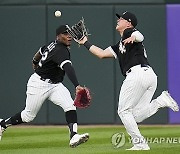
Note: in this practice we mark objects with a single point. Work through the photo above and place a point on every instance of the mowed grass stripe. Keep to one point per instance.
(47, 140)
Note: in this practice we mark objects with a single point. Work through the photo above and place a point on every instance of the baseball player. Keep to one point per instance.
(135, 98)
(51, 63)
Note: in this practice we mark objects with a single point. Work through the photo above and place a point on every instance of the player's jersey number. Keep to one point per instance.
(47, 50)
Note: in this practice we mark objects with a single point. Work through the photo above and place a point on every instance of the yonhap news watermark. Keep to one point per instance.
(119, 139)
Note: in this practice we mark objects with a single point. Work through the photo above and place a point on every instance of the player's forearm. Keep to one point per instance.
(95, 50)
(37, 57)
(36, 60)
(71, 74)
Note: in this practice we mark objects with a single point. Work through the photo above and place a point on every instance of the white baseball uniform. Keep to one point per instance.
(51, 63)
(139, 86)
(38, 91)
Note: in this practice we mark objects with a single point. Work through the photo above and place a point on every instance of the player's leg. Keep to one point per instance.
(35, 98)
(37, 92)
(62, 97)
(145, 107)
(128, 120)
(131, 92)
(33, 104)
(75, 138)
(14, 120)
(165, 100)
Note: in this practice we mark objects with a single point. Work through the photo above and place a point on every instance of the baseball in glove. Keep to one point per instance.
(83, 98)
(78, 31)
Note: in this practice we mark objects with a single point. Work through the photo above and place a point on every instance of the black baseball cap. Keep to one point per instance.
(129, 17)
(61, 29)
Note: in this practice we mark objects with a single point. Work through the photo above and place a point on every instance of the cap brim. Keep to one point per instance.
(64, 32)
(117, 15)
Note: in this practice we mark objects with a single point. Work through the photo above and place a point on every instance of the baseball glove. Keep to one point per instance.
(83, 98)
(78, 31)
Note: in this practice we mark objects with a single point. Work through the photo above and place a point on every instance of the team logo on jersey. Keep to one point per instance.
(122, 48)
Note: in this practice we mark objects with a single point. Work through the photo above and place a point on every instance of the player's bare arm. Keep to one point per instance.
(100, 53)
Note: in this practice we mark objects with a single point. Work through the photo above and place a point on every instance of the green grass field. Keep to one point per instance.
(55, 139)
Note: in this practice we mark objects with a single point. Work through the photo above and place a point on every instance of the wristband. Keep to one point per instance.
(87, 44)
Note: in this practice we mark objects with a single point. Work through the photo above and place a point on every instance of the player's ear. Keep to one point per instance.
(58, 37)
(129, 25)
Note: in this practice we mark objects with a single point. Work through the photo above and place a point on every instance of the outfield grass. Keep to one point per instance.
(55, 139)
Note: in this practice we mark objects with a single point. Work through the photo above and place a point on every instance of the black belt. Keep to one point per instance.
(49, 81)
(142, 65)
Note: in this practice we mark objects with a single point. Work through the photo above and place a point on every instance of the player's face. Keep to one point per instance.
(122, 24)
(65, 38)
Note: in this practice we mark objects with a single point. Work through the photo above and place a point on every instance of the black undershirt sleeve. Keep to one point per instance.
(71, 73)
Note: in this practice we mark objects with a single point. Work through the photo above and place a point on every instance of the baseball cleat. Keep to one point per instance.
(143, 147)
(78, 139)
(169, 101)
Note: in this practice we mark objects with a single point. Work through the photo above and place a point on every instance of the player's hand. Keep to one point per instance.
(78, 88)
(83, 97)
(129, 40)
(81, 42)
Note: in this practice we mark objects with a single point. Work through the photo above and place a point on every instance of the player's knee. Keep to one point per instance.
(69, 108)
(124, 113)
(121, 113)
(137, 117)
(26, 116)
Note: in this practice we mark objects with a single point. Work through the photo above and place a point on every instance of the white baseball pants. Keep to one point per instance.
(135, 96)
(38, 91)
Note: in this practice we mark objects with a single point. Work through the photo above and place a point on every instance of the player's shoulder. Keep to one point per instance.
(61, 49)
(60, 45)
(129, 31)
